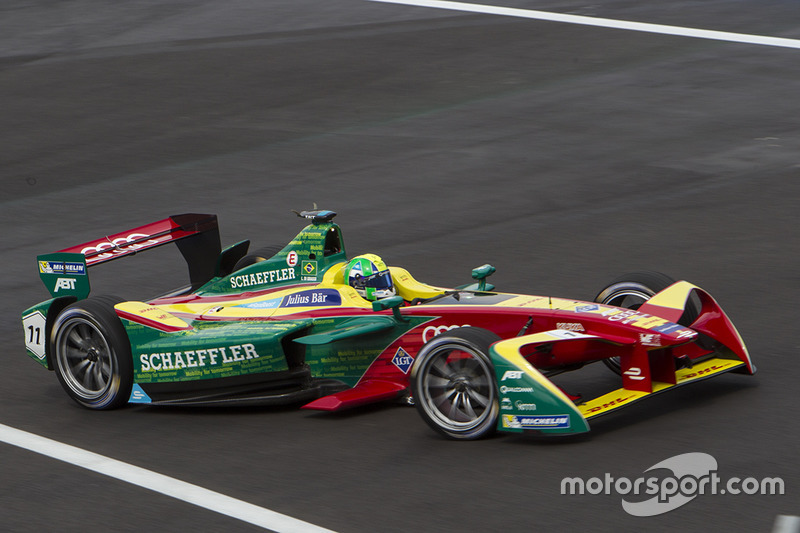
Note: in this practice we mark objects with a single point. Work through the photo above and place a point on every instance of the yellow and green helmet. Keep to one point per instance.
(370, 277)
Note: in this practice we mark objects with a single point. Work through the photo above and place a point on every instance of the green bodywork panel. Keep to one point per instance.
(209, 350)
(64, 274)
(355, 327)
(304, 260)
(223, 349)
(349, 358)
(530, 402)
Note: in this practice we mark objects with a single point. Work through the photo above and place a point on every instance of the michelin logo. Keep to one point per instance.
(535, 422)
(60, 267)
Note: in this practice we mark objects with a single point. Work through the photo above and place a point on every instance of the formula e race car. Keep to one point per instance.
(297, 324)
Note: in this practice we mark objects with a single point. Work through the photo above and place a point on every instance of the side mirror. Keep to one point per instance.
(481, 273)
(393, 303)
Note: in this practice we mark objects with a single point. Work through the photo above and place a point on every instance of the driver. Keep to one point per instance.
(370, 277)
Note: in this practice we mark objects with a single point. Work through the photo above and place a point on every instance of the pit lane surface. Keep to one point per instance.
(562, 154)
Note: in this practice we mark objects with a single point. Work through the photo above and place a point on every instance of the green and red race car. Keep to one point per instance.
(303, 324)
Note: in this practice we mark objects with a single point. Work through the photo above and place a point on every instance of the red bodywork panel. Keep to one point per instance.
(144, 237)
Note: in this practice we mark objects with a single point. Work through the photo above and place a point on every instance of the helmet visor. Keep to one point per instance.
(382, 281)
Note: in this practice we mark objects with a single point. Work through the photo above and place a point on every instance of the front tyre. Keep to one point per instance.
(453, 384)
(92, 354)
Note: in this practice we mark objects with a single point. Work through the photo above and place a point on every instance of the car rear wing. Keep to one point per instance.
(64, 273)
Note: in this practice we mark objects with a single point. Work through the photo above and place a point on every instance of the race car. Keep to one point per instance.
(303, 324)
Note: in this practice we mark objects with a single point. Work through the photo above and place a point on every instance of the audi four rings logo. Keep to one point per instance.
(113, 247)
(432, 331)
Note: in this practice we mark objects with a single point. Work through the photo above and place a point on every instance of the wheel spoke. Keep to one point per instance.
(77, 369)
(435, 382)
(451, 395)
(441, 367)
(84, 331)
(105, 369)
(479, 398)
(98, 375)
(76, 338)
(453, 412)
(87, 377)
(74, 353)
(468, 410)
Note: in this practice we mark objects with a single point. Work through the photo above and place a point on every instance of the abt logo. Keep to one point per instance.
(512, 374)
(65, 283)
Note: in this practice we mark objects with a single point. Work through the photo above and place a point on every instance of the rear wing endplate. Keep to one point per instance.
(64, 273)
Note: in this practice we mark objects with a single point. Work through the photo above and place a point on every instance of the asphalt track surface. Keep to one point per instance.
(562, 154)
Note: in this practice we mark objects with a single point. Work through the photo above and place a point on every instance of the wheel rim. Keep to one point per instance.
(84, 358)
(627, 298)
(456, 387)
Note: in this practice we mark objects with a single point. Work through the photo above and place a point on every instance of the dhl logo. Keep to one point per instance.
(704, 371)
(613, 403)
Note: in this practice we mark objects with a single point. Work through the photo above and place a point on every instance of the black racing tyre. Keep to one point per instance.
(632, 290)
(262, 254)
(91, 353)
(453, 384)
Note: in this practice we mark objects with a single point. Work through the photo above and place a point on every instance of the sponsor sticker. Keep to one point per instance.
(313, 298)
(402, 360)
(432, 331)
(535, 422)
(61, 267)
(650, 339)
(635, 373)
(138, 395)
(512, 374)
(613, 403)
(120, 245)
(198, 358)
(667, 328)
(505, 390)
(262, 278)
(565, 334)
(266, 304)
(65, 283)
(570, 326)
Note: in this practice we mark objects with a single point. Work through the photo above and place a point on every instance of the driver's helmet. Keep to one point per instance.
(368, 275)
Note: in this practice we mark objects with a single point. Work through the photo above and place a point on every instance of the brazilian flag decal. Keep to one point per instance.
(309, 268)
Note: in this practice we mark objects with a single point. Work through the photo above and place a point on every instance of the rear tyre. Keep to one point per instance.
(631, 291)
(262, 254)
(92, 354)
(453, 384)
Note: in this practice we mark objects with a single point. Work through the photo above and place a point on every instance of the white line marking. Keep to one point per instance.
(154, 481)
(603, 23)
(786, 524)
